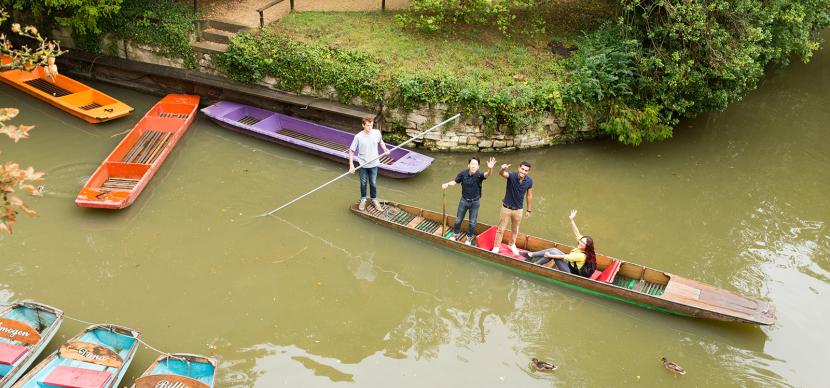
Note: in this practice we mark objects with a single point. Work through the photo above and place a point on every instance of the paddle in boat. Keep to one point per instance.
(313, 138)
(614, 278)
(25, 330)
(97, 357)
(119, 180)
(66, 94)
(179, 370)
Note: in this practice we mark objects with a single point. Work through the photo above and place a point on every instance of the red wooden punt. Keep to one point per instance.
(120, 179)
(614, 278)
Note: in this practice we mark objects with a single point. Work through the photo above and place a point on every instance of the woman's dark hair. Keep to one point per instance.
(590, 256)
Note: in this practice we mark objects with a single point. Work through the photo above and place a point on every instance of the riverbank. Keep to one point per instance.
(609, 77)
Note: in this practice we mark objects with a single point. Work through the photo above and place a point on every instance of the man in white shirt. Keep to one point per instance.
(366, 144)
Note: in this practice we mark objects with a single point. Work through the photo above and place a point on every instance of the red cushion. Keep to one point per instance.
(71, 377)
(595, 275)
(610, 271)
(485, 239)
(10, 353)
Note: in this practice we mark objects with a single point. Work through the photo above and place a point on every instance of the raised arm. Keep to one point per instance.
(490, 164)
(503, 171)
(573, 224)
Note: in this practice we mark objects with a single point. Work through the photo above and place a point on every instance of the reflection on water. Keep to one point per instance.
(314, 296)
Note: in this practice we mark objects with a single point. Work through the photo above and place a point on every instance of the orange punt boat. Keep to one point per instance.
(120, 179)
(67, 94)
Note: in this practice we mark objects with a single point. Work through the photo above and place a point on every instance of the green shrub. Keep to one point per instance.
(665, 60)
(165, 25)
(80, 15)
(294, 65)
(444, 15)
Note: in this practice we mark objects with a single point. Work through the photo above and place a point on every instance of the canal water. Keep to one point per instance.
(316, 296)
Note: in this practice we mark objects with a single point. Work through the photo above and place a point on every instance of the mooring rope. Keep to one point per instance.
(151, 347)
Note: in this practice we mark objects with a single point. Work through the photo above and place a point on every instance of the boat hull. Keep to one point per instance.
(103, 351)
(308, 137)
(677, 296)
(179, 370)
(47, 313)
(66, 94)
(124, 174)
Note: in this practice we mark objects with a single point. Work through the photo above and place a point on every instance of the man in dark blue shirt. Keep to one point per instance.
(519, 186)
(470, 179)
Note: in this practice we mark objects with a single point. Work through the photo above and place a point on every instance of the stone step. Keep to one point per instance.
(226, 25)
(217, 36)
(206, 47)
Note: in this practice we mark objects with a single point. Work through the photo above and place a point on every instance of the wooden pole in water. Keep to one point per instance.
(457, 115)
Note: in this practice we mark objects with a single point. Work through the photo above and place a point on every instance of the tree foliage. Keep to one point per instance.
(686, 58)
(164, 25)
(80, 15)
(12, 176)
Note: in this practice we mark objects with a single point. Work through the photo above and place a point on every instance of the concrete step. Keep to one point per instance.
(217, 36)
(206, 47)
(226, 25)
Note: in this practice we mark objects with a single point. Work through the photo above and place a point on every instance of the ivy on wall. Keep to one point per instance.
(164, 25)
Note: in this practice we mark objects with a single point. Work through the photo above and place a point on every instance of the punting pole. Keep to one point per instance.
(457, 115)
(444, 213)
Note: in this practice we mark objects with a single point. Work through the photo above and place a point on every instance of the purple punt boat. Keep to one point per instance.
(314, 138)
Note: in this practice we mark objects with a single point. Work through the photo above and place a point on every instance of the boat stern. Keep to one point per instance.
(407, 164)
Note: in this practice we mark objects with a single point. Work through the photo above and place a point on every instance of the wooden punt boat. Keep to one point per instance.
(180, 370)
(309, 137)
(97, 357)
(66, 94)
(614, 278)
(25, 330)
(119, 180)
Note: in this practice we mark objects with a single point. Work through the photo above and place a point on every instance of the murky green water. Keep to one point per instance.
(317, 296)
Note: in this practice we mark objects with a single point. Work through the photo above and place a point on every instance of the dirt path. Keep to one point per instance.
(244, 12)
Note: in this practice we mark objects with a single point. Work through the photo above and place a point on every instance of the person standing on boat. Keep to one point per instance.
(366, 143)
(470, 179)
(519, 187)
(582, 260)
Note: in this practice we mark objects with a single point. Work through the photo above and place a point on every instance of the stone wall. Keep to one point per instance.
(468, 134)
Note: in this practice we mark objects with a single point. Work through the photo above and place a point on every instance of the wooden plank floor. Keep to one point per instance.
(48, 87)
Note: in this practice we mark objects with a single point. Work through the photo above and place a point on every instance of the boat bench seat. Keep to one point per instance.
(608, 274)
(10, 353)
(71, 377)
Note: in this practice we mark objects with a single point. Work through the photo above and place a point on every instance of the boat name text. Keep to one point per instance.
(12, 332)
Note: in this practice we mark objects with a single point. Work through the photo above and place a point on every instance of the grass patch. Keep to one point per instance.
(466, 51)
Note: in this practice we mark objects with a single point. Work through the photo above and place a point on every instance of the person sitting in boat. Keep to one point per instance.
(582, 260)
(470, 179)
(51, 69)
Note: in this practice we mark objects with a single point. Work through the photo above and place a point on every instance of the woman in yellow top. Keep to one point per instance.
(580, 261)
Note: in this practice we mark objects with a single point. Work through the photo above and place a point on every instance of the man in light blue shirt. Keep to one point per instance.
(365, 144)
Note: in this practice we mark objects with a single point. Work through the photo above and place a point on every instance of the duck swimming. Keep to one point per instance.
(542, 366)
(674, 368)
